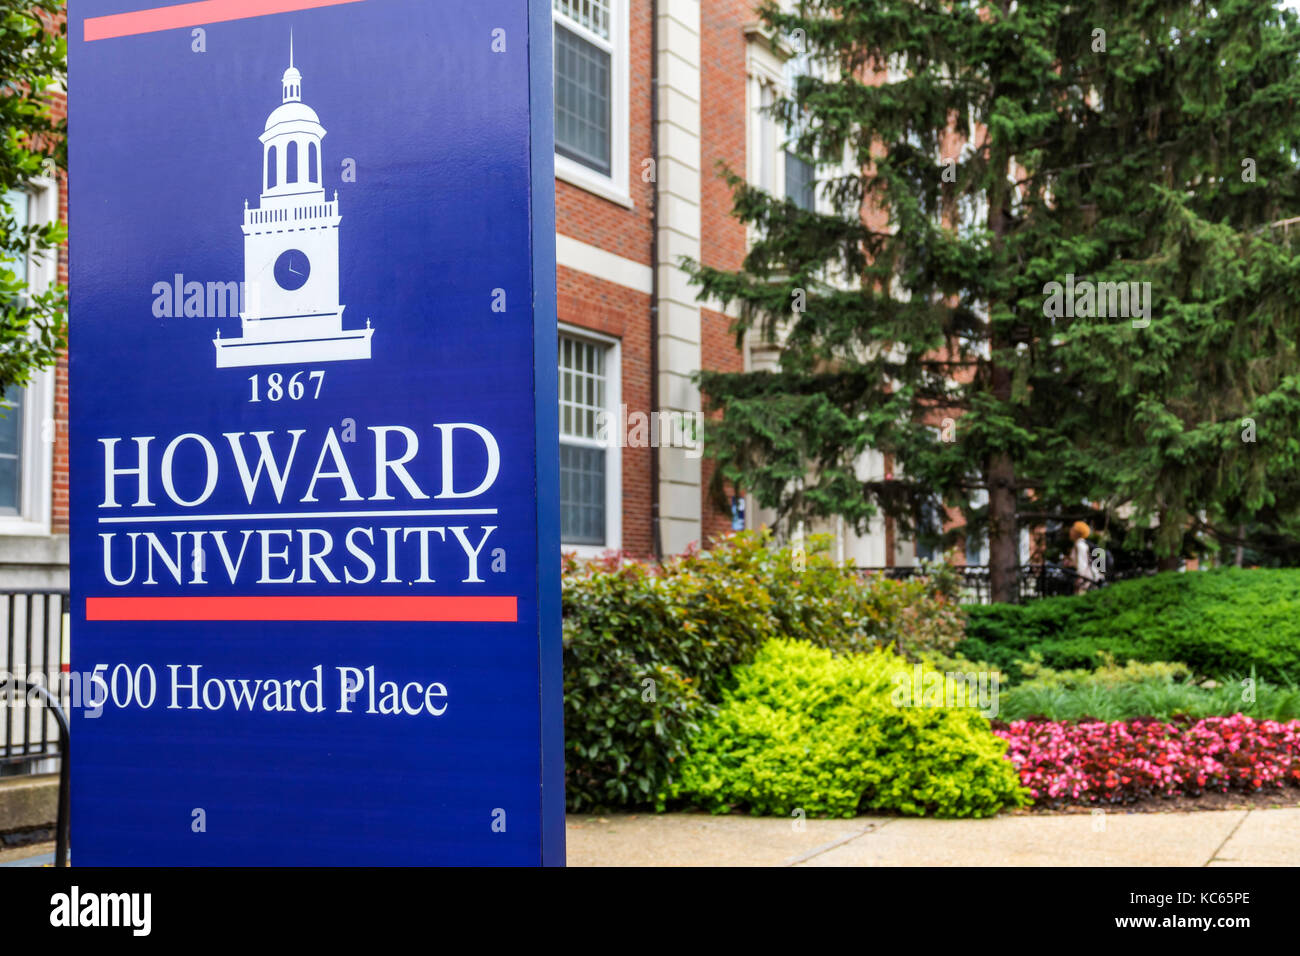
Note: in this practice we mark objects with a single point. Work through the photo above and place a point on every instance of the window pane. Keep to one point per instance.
(582, 388)
(17, 201)
(11, 436)
(582, 101)
(799, 185)
(592, 14)
(582, 495)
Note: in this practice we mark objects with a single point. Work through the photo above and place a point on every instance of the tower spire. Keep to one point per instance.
(292, 78)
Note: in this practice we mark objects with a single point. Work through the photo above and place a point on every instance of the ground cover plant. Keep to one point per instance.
(1121, 762)
(1162, 690)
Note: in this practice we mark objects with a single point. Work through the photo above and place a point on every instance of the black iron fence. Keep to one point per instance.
(1033, 581)
(33, 651)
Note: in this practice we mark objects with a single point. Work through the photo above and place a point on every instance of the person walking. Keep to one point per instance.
(1085, 576)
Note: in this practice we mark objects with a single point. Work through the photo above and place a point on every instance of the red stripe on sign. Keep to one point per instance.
(193, 14)
(333, 608)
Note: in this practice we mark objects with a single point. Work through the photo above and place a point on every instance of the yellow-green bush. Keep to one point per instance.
(806, 730)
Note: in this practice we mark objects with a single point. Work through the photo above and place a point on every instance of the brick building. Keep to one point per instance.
(638, 188)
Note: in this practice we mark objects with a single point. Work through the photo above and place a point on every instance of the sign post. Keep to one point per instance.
(314, 465)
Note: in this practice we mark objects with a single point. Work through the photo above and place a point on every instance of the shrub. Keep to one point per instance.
(644, 650)
(804, 729)
(1218, 623)
(648, 649)
(1159, 690)
(1116, 763)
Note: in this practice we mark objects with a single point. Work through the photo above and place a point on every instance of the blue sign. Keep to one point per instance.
(315, 535)
(737, 513)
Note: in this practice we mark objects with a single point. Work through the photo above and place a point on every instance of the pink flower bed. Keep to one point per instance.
(1064, 762)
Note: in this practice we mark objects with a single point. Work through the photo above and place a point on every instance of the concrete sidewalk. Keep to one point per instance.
(37, 854)
(1265, 837)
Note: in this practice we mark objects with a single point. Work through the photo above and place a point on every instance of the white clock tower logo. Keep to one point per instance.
(291, 313)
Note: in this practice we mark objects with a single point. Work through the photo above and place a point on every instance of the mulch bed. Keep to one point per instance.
(1272, 797)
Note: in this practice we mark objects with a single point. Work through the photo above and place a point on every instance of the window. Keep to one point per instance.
(590, 475)
(800, 175)
(800, 182)
(929, 528)
(312, 174)
(11, 448)
(11, 404)
(581, 101)
(976, 542)
(26, 448)
(291, 162)
(270, 168)
(591, 117)
(767, 137)
(775, 166)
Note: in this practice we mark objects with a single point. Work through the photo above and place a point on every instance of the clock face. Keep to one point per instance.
(292, 269)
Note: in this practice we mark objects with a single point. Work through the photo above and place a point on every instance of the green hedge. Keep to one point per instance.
(1220, 623)
(648, 650)
(804, 730)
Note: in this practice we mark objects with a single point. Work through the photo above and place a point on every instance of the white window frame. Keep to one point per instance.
(770, 69)
(36, 457)
(613, 452)
(766, 153)
(613, 187)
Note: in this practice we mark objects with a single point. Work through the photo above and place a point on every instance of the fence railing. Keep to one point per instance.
(33, 650)
(1033, 581)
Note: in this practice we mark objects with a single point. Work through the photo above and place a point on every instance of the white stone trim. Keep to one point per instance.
(679, 234)
(601, 264)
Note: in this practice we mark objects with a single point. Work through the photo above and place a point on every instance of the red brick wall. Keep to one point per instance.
(624, 313)
(722, 121)
(723, 128)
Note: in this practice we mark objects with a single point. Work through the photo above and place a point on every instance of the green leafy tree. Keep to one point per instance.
(33, 58)
(973, 156)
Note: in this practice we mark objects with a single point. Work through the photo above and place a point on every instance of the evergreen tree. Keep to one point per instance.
(1001, 174)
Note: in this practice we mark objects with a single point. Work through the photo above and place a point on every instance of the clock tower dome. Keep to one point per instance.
(291, 313)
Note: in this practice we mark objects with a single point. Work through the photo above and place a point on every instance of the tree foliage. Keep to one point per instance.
(969, 156)
(33, 57)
